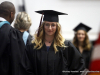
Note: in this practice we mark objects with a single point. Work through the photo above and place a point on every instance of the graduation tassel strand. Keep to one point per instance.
(40, 25)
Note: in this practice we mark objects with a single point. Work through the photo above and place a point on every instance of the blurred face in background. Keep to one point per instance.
(50, 28)
(81, 35)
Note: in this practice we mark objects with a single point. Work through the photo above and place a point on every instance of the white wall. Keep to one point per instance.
(86, 11)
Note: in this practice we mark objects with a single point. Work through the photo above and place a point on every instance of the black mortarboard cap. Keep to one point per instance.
(50, 15)
(82, 26)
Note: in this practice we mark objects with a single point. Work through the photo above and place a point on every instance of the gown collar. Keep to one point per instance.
(50, 48)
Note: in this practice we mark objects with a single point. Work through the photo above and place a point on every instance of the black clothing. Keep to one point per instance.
(43, 62)
(86, 54)
(11, 51)
(29, 38)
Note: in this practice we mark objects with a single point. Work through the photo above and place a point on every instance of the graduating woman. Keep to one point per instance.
(82, 43)
(50, 54)
(23, 23)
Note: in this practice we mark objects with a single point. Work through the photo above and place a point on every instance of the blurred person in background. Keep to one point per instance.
(23, 23)
(82, 43)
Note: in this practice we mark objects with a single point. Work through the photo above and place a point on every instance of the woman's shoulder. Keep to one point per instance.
(30, 46)
(68, 43)
(70, 47)
(30, 49)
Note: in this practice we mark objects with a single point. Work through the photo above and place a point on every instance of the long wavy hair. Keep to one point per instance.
(86, 42)
(39, 40)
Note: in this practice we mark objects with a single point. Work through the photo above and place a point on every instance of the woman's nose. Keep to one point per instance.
(50, 27)
(81, 35)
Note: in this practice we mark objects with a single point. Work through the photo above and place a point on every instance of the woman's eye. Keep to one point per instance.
(47, 24)
(78, 33)
(53, 25)
(83, 34)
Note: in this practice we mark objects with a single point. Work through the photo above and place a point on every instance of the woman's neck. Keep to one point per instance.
(80, 46)
(22, 30)
(48, 38)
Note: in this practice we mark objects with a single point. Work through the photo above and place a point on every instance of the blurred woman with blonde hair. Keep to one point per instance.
(23, 23)
(50, 53)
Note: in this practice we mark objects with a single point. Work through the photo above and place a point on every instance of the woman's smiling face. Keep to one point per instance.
(81, 35)
(50, 28)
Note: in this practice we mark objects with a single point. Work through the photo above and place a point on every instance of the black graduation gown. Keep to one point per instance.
(29, 39)
(43, 62)
(11, 51)
(86, 54)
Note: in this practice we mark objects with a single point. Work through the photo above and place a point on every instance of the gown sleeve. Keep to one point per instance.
(17, 50)
(4, 38)
(29, 59)
(74, 58)
(11, 51)
(89, 57)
